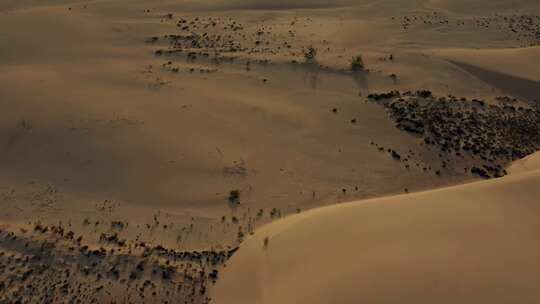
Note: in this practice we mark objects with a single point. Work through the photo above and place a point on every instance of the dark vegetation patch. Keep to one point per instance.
(50, 265)
(522, 28)
(490, 136)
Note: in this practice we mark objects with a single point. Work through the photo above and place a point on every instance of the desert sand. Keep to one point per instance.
(148, 148)
(475, 243)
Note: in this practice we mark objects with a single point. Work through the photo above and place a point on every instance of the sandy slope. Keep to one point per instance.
(97, 129)
(527, 164)
(481, 6)
(96, 116)
(519, 62)
(475, 243)
(514, 70)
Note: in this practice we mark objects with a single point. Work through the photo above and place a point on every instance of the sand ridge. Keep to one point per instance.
(171, 131)
(462, 243)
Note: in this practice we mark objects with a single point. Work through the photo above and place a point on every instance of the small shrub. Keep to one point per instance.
(357, 63)
(240, 234)
(424, 94)
(234, 196)
(310, 53)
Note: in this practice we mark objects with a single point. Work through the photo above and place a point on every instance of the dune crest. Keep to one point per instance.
(461, 244)
(143, 141)
(528, 164)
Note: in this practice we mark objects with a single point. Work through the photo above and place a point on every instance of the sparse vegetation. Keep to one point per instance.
(310, 53)
(240, 234)
(275, 213)
(234, 196)
(357, 63)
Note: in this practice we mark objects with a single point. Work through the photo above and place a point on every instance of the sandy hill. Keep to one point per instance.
(131, 126)
(475, 243)
(519, 62)
(529, 163)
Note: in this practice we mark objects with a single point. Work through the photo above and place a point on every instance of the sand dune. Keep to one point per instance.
(519, 62)
(481, 6)
(475, 243)
(145, 131)
(511, 85)
(513, 71)
(527, 164)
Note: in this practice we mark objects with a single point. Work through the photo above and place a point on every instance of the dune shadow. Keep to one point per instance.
(513, 85)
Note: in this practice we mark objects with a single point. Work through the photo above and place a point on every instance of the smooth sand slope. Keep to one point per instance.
(476, 243)
(513, 70)
(529, 163)
(141, 130)
(519, 62)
